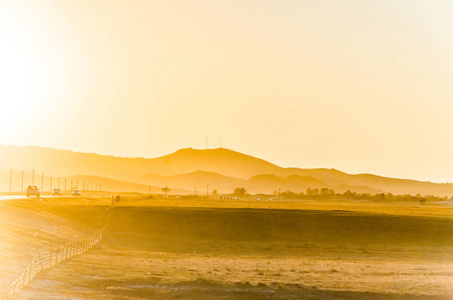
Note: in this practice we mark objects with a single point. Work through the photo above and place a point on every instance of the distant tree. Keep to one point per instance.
(315, 191)
(288, 194)
(165, 190)
(325, 191)
(240, 191)
(380, 196)
(348, 194)
(214, 192)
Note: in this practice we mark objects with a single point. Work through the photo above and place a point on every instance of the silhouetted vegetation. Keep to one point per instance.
(240, 192)
(165, 190)
(326, 193)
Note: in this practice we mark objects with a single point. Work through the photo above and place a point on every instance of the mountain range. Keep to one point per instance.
(188, 169)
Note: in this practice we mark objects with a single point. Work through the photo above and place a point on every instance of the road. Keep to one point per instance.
(17, 197)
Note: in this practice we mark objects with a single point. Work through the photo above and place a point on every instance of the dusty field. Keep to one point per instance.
(243, 251)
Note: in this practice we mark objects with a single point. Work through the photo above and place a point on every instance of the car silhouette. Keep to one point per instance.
(76, 192)
(32, 190)
(56, 192)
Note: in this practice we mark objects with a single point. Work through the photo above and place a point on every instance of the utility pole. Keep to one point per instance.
(51, 183)
(207, 190)
(58, 181)
(150, 190)
(279, 197)
(22, 186)
(195, 190)
(42, 181)
(65, 184)
(71, 184)
(33, 177)
(10, 178)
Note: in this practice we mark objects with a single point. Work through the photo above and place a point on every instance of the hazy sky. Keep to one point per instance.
(361, 86)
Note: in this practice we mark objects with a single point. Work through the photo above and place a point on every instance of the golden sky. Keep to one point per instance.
(361, 86)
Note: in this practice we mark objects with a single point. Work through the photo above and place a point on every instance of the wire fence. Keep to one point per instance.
(54, 257)
(43, 262)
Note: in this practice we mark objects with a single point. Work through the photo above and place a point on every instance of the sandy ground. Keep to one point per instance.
(237, 250)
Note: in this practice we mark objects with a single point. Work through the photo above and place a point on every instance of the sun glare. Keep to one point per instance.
(22, 73)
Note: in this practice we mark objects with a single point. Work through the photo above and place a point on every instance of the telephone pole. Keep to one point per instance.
(42, 181)
(10, 178)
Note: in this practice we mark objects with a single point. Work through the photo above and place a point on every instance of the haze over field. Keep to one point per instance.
(362, 87)
(221, 169)
(240, 149)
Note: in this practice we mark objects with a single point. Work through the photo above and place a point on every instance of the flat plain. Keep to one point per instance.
(234, 249)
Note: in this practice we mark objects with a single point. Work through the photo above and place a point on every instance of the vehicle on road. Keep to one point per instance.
(56, 192)
(32, 190)
(76, 192)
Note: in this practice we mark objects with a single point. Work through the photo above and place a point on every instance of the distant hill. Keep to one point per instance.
(220, 160)
(111, 185)
(198, 180)
(225, 184)
(220, 167)
(65, 162)
(270, 183)
(78, 181)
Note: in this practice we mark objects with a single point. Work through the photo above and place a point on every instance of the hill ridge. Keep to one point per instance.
(225, 162)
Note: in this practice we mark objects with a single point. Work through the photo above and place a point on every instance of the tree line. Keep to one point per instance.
(326, 193)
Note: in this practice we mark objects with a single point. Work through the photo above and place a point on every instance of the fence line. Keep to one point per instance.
(43, 262)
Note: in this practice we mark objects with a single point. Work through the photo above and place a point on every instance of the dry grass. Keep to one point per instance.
(234, 249)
